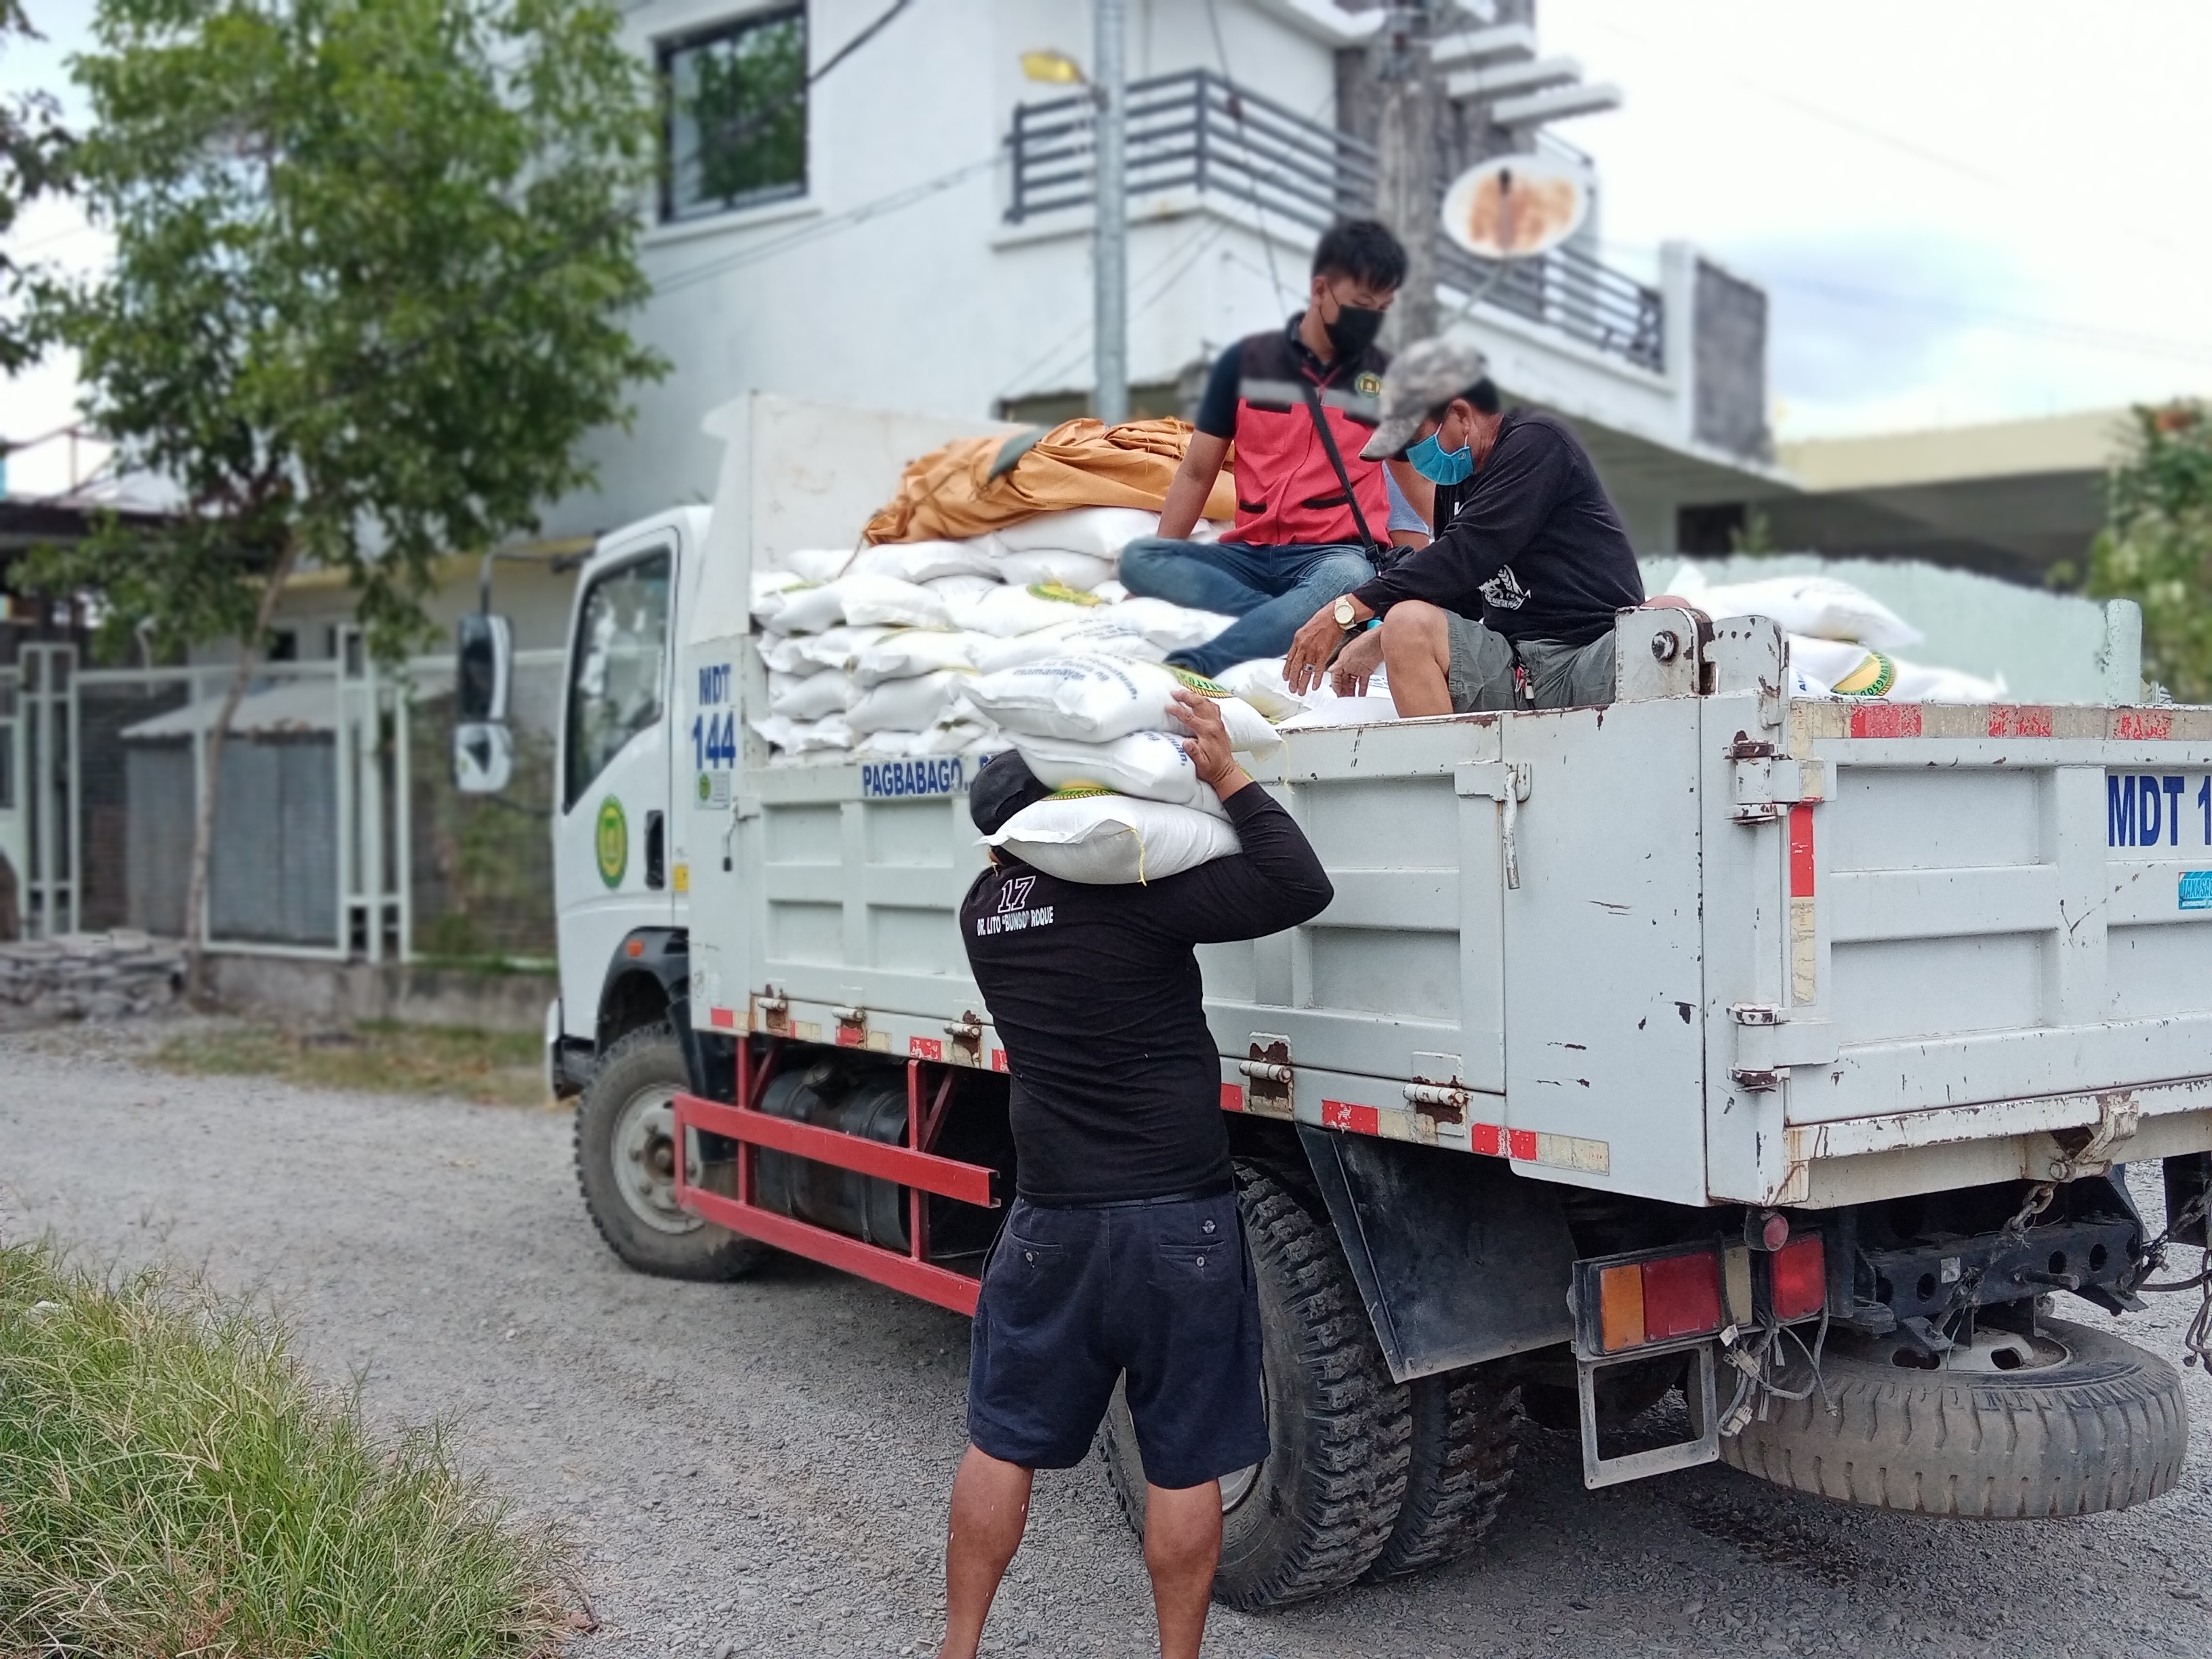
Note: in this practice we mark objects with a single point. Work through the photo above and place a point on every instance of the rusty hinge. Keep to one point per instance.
(1269, 1077)
(967, 1034)
(1765, 784)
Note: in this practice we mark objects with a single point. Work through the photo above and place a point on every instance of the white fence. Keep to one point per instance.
(332, 772)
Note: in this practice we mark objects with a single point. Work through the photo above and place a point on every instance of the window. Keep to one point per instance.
(737, 115)
(619, 665)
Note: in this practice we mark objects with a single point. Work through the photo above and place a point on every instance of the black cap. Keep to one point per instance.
(1002, 788)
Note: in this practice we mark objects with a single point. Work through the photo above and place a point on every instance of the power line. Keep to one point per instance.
(1926, 153)
(906, 195)
(2056, 328)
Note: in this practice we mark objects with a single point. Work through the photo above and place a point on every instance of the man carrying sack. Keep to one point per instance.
(1123, 1255)
(1298, 403)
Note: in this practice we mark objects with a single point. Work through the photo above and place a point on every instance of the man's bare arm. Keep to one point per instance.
(1193, 483)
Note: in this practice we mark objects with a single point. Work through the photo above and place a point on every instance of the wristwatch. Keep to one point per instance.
(1347, 617)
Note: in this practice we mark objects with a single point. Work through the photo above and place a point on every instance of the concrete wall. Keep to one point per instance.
(294, 990)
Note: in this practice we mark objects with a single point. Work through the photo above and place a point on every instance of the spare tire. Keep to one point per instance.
(2070, 1421)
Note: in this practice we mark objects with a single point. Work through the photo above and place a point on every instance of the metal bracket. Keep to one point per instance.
(1768, 783)
(1270, 1078)
(2119, 1115)
(1704, 1418)
(1768, 1041)
(1507, 783)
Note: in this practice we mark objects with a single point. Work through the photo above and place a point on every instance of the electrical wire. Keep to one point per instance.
(1925, 154)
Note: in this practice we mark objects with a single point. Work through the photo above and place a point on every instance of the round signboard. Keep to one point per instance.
(1514, 207)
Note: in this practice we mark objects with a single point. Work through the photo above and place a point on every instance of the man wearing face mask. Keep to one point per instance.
(1511, 606)
(1301, 537)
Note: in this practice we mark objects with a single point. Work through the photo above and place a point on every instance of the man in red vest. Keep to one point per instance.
(1300, 540)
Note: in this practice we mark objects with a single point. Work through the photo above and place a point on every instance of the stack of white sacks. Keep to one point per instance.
(869, 653)
(1103, 732)
(1841, 639)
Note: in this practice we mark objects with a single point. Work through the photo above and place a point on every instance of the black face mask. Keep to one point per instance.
(1355, 330)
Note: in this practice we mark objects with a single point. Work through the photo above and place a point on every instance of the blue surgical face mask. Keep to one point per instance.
(1439, 465)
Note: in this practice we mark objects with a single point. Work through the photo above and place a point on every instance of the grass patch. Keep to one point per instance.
(504, 1068)
(173, 1483)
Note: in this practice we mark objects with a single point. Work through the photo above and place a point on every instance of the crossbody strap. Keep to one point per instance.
(1376, 550)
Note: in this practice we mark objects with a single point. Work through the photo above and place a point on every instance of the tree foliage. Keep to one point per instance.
(2156, 545)
(33, 159)
(372, 260)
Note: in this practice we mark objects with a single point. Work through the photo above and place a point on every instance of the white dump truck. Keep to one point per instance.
(1780, 1051)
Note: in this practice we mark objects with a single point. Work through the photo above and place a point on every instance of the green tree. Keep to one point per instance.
(2156, 545)
(33, 159)
(372, 262)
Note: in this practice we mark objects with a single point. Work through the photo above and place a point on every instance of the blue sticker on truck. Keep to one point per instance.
(2197, 890)
(901, 779)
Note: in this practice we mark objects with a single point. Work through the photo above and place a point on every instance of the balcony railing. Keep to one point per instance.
(1194, 131)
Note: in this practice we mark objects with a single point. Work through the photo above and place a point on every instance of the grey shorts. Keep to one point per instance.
(1480, 676)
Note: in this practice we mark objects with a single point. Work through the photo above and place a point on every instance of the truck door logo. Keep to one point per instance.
(611, 841)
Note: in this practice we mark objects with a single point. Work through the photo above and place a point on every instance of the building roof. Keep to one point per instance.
(2089, 440)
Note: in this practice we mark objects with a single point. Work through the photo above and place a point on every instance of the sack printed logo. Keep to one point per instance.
(1369, 385)
(1503, 590)
(1016, 893)
(610, 840)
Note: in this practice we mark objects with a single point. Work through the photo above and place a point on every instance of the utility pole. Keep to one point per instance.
(1406, 160)
(1111, 251)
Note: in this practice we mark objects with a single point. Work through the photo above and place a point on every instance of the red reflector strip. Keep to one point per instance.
(2140, 723)
(1343, 1114)
(2020, 720)
(722, 1018)
(1681, 1295)
(1232, 1096)
(1886, 720)
(1800, 1270)
(925, 1049)
(1487, 1139)
(1521, 1144)
(851, 1036)
(1801, 850)
(998, 1060)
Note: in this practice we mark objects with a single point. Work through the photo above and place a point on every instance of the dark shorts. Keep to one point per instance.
(1073, 1299)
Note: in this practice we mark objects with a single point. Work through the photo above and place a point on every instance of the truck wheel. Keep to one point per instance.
(626, 1164)
(1461, 1469)
(2068, 1422)
(1312, 1516)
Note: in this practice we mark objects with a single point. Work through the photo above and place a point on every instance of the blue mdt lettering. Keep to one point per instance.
(2119, 811)
(715, 684)
(2175, 783)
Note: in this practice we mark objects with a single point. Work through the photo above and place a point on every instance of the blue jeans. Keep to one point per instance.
(1271, 591)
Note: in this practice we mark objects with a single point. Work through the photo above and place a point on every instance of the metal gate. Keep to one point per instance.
(103, 772)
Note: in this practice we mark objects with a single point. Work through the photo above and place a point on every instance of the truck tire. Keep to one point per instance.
(625, 1163)
(1318, 1510)
(2082, 1422)
(1460, 1470)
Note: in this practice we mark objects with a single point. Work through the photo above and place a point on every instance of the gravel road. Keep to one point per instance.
(762, 1467)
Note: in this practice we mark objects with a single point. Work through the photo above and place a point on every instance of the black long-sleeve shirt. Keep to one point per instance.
(1095, 991)
(1531, 543)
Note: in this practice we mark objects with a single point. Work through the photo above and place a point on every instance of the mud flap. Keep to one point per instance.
(1457, 1259)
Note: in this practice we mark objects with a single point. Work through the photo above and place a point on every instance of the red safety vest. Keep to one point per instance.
(1287, 493)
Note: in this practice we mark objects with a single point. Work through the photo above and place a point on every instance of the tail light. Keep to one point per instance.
(1648, 1297)
(1798, 1279)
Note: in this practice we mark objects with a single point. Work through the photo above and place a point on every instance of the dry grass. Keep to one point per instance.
(504, 1068)
(171, 1483)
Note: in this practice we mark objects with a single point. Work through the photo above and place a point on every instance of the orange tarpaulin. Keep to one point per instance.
(950, 493)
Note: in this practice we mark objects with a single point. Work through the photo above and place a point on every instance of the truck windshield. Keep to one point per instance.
(616, 669)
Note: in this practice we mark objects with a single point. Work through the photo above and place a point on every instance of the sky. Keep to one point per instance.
(1963, 210)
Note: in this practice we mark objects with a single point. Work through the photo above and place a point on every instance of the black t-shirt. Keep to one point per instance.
(1531, 543)
(1095, 990)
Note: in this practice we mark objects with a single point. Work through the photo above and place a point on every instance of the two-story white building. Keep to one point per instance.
(913, 229)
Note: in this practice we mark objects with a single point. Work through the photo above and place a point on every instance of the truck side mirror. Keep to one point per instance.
(483, 757)
(483, 665)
